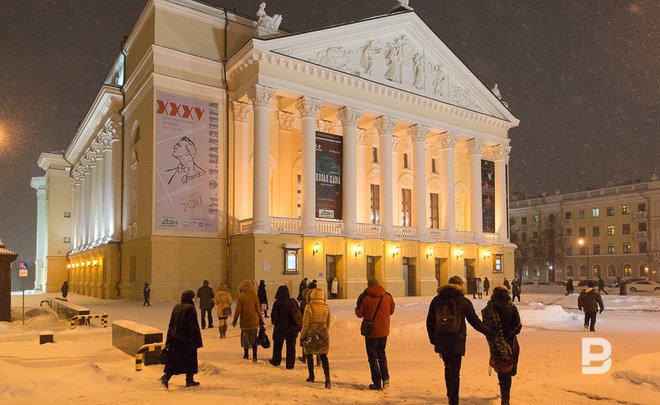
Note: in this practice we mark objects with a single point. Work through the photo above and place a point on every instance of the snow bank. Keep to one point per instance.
(536, 314)
(640, 369)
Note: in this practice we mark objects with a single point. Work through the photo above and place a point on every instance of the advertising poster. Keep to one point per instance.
(186, 163)
(488, 195)
(328, 175)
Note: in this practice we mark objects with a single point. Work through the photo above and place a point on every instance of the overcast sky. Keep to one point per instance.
(582, 77)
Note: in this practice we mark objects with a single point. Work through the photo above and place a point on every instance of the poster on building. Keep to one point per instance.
(488, 195)
(186, 154)
(328, 175)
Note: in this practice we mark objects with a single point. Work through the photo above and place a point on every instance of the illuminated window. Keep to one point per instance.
(290, 258)
(643, 270)
(627, 248)
(627, 270)
(595, 213)
(535, 219)
(374, 208)
(611, 249)
(625, 209)
(406, 207)
(610, 230)
(641, 207)
(435, 211)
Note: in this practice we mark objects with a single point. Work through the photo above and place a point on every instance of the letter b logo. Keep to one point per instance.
(603, 356)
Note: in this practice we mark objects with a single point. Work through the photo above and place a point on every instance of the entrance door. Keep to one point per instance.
(441, 270)
(410, 276)
(371, 267)
(331, 271)
(469, 275)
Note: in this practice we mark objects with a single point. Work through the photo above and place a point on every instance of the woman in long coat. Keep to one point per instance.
(509, 327)
(263, 297)
(183, 340)
(316, 324)
(287, 320)
(223, 301)
(248, 310)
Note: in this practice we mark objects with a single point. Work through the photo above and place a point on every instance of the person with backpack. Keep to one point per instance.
(589, 300)
(375, 306)
(287, 320)
(502, 317)
(486, 285)
(445, 325)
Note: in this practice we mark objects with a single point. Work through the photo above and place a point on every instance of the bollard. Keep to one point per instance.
(146, 348)
(86, 318)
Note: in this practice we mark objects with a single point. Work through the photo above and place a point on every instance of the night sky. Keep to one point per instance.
(583, 77)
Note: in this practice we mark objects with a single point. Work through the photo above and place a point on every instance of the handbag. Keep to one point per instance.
(164, 355)
(312, 343)
(295, 313)
(226, 311)
(367, 327)
(262, 338)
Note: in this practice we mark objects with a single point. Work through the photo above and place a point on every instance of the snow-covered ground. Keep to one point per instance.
(83, 366)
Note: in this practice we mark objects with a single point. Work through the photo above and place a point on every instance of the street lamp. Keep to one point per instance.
(584, 242)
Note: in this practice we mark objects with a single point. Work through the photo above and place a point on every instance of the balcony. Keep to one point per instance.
(404, 232)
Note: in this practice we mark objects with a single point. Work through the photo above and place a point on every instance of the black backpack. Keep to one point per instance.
(448, 318)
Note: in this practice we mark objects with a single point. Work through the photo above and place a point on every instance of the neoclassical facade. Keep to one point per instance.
(357, 151)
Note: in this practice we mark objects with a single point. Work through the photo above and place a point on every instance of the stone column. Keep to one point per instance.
(309, 109)
(362, 211)
(112, 178)
(261, 97)
(100, 203)
(82, 223)
(75, 210)
(448, 216)
(501, 158)
(476, 219)
(418, 135)
(385, 126)
(241, 159)
(348, 117)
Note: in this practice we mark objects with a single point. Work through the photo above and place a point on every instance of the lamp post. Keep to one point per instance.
(584, 242)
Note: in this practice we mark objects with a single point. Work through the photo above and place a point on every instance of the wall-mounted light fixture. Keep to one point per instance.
(77, 264)
(68, 266)
(357, 249)
(95, 262)
(89, 262)
(459, 253)
(395, 250)
(316, 248)
(429, 252)
(487, 254)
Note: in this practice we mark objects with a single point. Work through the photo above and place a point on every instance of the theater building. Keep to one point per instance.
(223, 148)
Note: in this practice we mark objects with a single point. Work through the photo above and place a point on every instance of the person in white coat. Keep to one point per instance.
(334, 288)
(480, 288)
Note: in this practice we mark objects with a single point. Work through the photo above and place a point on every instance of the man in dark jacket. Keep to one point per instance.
(301, 288)
(287, 320)
(451, 344)
(515, 289)
(601, 286)
(205, 294)
(378, 305)
(589, 300)
(183, 340)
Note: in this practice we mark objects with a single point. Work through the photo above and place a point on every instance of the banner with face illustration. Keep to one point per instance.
(328, 175)
(186, 163)
(488, 195)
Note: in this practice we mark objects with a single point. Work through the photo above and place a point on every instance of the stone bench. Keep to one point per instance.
(129, 336)
(66, 310)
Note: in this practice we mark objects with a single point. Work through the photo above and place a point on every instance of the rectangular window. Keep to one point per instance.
(523, 221)
(374, 155)
(66, 239)
(610, 230)
(595, 213)
(526, 271)
(568, 215)
(375, 203)
(67, 214)
(643, 270)
(626, 229)
(299, 196)
(625, 209)
(611, 249)
(641, 207)
(568, 232)
(642, 247)
(610, 211)
(581, 232)
(406, 207)
(435, 211)
(581, 214)
(596, 249)
(405, 161)
(569, 251)
(535, 219)
(596, 230)
(512, 221)
(641, 227)
(433, 169)
(583, 250)
(290, 259)
(627, 248)
(537, 272)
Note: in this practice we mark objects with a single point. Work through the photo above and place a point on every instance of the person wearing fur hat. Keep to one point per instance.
(249, 311)
(445, 325)
(589, 300)
(316, 324)
(183, 340)
(502, 317)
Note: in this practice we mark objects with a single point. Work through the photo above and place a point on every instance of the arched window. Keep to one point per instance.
(596, 271)
(627, 270)
(569, 271)
(643, 270)
(611, 270)
(583, 270)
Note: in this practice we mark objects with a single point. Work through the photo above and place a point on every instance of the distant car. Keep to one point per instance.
(644, 286)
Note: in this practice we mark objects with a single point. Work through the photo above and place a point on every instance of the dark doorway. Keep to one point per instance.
(469, 275)
(372, 264)
(441, 274)
(331, 271)
(410, 276)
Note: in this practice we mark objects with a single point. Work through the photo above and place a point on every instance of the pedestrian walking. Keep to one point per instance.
(472, 287)
(515, 289)
(301, 287)
(376, 306)
(334, 288)
(601, 287)
(249, 312)
(263, 297)
(223, 300)
(569, 286)
(206, 295)
(315, 334)
(287, 321)
(445, 325)
(589, 301)
(486, 285)
(506, 283)
(65, 289)
(146, 293)
(502, 317)
(480, 288)
(183, 340)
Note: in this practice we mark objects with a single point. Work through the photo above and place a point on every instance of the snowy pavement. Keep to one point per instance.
(83, 366)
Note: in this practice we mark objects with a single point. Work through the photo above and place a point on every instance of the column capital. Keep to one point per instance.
(261, 95)
(447, 140)
(501, 152)
(361, 136)
(309, 107)
(241, 111)
(385, 125)
(287, 121)
(418, 133)
(348, 116)
(475, 146)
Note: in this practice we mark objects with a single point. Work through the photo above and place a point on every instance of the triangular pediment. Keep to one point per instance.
(397, 50)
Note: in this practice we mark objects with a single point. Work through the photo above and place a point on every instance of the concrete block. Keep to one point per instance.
(45, 336)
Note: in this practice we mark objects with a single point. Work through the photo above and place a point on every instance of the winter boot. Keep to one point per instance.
(326, 371)
(245, 353)
(254, 354)
(164, 382)
(310, 368)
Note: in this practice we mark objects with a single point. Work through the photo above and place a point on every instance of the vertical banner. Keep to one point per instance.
(186, 155)
(488, 195)
(328, 175)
